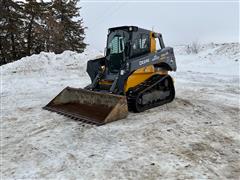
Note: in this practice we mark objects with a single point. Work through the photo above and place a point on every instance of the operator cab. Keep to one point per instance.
(125, 42)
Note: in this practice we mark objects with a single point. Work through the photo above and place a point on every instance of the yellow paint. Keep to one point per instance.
(152, 43)
(141, 75)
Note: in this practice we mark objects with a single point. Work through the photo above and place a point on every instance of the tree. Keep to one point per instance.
(70, 33)
(34, 26)
(193, 48)
(11, 34)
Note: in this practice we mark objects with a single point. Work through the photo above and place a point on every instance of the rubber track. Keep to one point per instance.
(134, 93)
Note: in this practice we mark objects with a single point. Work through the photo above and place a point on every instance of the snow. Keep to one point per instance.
(195, 136)
(212, 58)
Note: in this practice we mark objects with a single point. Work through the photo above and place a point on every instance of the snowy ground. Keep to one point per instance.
(195, 136)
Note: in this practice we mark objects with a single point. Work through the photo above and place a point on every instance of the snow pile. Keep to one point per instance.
(51, 63)
(230, 50)
(212, 58)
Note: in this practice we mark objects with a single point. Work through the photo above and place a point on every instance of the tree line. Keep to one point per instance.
(32, 26)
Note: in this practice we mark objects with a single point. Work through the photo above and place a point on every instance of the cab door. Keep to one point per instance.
(116, 50)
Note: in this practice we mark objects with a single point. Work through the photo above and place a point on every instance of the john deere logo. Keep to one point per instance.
(143, 62)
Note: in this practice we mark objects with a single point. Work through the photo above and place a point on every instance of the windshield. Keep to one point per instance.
(116, 45)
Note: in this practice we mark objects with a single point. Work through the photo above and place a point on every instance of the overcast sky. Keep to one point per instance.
(179, 22)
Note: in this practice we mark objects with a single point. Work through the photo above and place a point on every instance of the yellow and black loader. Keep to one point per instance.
(132, 76)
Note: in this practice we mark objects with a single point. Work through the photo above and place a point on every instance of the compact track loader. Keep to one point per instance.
(132, 76)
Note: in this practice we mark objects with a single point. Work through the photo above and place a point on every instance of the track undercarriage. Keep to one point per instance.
(155, 91)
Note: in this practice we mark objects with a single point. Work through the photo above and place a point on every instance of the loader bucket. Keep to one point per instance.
(89, 106)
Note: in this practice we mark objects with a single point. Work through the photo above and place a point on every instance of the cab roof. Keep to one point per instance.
(127, 28)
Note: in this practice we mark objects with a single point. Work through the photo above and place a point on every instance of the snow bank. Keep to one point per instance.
(51, 63)
(220, 59)
(230, 50)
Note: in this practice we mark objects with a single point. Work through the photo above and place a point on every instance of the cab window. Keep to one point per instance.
(116, 45)
(141, 44)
